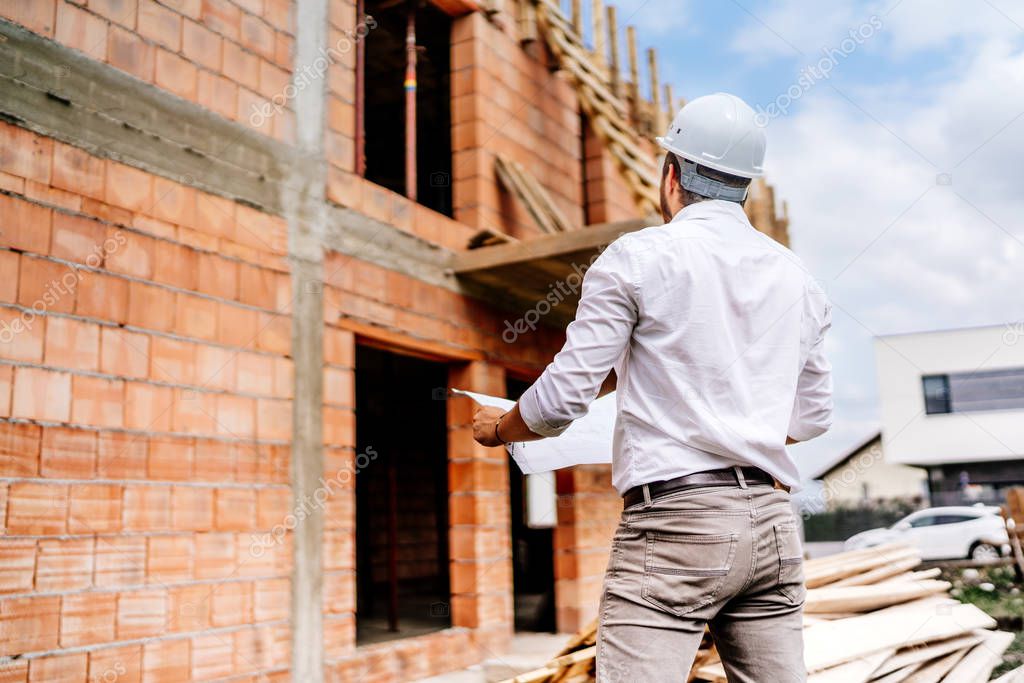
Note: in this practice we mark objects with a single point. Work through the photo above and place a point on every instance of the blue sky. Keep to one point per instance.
(902, 168)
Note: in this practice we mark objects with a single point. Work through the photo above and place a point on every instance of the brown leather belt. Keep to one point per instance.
(723, 477)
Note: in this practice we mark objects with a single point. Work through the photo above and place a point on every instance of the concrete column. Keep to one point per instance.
(305, 211)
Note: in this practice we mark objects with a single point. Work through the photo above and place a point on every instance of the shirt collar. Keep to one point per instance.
(711, 208)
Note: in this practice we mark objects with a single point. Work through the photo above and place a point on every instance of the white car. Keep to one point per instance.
(976, 533)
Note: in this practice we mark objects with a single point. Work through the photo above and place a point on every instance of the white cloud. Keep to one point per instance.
(897, 249)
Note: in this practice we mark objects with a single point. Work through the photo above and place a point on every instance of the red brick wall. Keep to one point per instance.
(234, 58)
(145, 393)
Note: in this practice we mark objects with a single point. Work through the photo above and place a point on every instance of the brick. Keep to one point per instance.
(37, 16)
(169, 559)
(77, 171)
(78, 239)
(272, 507)
(196, 316)
(45, 285)
(215, 461)
(274, 420)
(215, 556)
(141, 614)
(103, 297)
(25, 154)
(284, 371)
(68, 453)
(216, 367)
(175, 265)
(36, 508)
(256, 286)
(87, 619)
(150, 307)
(159, 24)
(148, 407)
(94, 508)
(235, 509)
(175, 74)
(128, 52)
(217, 276)
(59, 669)
(339, 426)
(172, 361)
(122, 664)
(201, 45)
(255, 373)
(19, 449)
(192, 508)
(339, 387)
(120, 561)
(17, 565)
(64, 565)
(257, 36)
(135, 256)
(9, 264)
(82, 31)
(241, 66)
(231, 604)
(188, 608)
(72, 344)
(28, 625)
(237, 326)
(271, 599)
(41, 394)
(26, 226)
(219, 95)
(194, 412)
(171, 459)
(147, 508)
(251, 648)
(128, 188)
(121, 456)
(6, 383)
(124, 353)
(236, 416)
(166, 661)
(211, 657)
(97, 401)
(274, 333)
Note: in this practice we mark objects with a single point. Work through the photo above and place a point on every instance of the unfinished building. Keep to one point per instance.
(246, 246)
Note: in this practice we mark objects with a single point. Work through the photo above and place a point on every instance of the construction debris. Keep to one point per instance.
(868, 617)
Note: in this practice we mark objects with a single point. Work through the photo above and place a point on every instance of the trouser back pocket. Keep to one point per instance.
(685, 572)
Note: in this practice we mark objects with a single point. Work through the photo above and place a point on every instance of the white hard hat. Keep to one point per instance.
(719, 131)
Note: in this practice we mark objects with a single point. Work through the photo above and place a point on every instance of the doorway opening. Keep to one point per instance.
(533, 557)
(402, 573)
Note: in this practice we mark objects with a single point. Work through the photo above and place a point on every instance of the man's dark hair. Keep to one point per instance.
(691, 198)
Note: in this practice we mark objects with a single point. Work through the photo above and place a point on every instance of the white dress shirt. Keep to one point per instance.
(716, 333)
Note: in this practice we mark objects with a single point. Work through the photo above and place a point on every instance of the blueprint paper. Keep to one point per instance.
(587, 441)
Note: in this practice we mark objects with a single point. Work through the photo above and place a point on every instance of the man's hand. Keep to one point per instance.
(485, 422)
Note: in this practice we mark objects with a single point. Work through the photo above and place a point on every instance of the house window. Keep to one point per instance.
(402, 558)
(975, 391)
(384, 107)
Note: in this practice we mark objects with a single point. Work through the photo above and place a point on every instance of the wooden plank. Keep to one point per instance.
(509, 176)
(592, 237)
(1015, 676)
(978, 664)
(904, 625)
(877, 574)
(914, 576)
(899, 675)
(829, 574)
(928, 651)
(855, 671)
(867, 598)
(615, 67)
(934, 671)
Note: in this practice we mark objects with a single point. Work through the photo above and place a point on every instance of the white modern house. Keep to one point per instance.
(953, 403)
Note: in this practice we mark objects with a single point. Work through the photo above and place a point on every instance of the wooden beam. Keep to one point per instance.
(592, 237)
(577, 18)
(613, 46)
(597, 17)
(652, 65)
(634, 72)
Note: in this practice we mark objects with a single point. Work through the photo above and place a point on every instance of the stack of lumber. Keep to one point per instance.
(869, 616)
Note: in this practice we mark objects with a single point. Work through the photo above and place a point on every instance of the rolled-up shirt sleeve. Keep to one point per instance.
(604, 322)
(812, 408)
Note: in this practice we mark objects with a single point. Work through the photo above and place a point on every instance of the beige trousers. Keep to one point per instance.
(726, 557)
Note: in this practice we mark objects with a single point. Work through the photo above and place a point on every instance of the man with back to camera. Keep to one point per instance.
(714, 336)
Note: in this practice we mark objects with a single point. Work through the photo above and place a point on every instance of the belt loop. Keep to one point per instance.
(739, 476)
(647, 495)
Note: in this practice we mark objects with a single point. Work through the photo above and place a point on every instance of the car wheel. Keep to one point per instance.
(984, 552)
